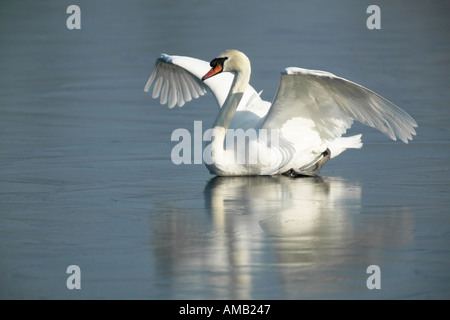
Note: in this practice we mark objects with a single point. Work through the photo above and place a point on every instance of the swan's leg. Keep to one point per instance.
(312, 169)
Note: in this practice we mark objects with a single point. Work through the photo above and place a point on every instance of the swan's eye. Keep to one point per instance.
(216, 61)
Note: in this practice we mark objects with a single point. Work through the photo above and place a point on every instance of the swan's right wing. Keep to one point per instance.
(177, 80)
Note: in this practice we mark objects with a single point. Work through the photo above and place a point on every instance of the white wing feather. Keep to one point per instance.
(176, 85)
(177, 80)
(332, 103)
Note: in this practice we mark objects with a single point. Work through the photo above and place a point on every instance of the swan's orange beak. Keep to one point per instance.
(214, 70)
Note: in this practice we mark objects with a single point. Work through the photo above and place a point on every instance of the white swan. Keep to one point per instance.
(302, 128)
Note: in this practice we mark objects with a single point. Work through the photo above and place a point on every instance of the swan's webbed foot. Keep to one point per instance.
(312, 169)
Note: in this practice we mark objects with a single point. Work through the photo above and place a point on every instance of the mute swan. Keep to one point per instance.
(310, 113)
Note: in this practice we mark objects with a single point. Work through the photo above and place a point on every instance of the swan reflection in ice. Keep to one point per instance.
(308, 236)
(282, 206)
(278, 223)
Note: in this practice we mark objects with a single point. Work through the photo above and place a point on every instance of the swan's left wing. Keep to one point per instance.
(329, 104)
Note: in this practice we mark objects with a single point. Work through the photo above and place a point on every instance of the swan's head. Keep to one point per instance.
(228, 61)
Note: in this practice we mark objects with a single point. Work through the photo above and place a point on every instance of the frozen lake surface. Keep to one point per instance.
(86, 176)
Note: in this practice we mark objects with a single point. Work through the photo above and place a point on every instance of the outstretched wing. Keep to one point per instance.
(177, 80)
(330, 104)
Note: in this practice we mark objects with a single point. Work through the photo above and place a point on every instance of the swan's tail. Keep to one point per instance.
(341, 144)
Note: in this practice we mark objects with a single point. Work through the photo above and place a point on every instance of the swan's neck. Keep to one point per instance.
(231, 103)
(225, 116)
